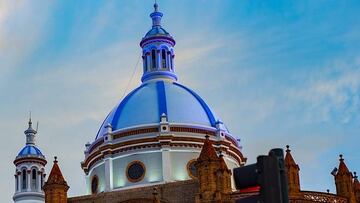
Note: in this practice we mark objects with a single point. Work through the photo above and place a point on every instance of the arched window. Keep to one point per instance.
(33, 179)
(153, 59)
(94, 184)
(23, 179)
(163, 59)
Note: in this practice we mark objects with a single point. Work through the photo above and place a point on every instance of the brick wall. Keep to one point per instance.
(176, 192)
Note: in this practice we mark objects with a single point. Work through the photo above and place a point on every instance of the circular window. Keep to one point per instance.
(191, 169)
(135, 171)
(94, 184)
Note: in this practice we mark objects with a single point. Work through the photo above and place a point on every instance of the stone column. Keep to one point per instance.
(158, 59)
(172, 61)
(168, 60)
(38, 181)
(108, 174)
(28, 178)
(87, 183)
(20, 181)
(16, 182)
(166, 164)
(144, 61)
(148, 61)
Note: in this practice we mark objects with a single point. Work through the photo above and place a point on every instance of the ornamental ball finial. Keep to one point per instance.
(341, 157)
(55, 159)
(156, 6)
(288, 148)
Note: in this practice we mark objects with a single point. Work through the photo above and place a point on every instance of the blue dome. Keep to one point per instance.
(157, 31)
(147, 103)
(30, 150)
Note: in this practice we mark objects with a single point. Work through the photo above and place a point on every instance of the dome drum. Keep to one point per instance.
(39, 160)
(165, 160)
(152, 137)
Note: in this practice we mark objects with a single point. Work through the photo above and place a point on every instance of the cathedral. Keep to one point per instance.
(161, 143)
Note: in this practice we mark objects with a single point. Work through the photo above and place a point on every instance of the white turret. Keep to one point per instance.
(30, 171)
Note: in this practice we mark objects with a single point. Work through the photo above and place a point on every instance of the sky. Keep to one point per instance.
(276, 72)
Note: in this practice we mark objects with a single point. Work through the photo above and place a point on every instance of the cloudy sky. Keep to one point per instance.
(277, 72)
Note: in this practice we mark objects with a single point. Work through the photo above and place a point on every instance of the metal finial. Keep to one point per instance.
(328, 191)
(341, 157)
(30, 122)
(55, 159)
(288, 148)
(156, 6)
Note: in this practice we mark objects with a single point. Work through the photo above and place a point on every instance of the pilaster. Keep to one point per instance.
(28, 180)
(166, 164)
(38, 180)
(108, 174)
(158, 60)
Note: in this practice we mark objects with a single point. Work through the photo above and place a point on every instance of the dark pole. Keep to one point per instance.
(279, 153)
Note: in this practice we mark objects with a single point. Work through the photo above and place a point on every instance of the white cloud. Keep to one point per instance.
(20, 31)
(334, 90)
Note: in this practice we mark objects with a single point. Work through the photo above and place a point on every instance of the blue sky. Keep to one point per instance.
(277, 72)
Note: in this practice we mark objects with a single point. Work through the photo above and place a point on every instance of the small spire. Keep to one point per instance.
(356, 183)
(289, 160)
(56, 177)
(343, 169)
(208, 151)
(222, 163)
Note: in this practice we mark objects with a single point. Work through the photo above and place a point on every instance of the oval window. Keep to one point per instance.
(135, 171)
(192, 169)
